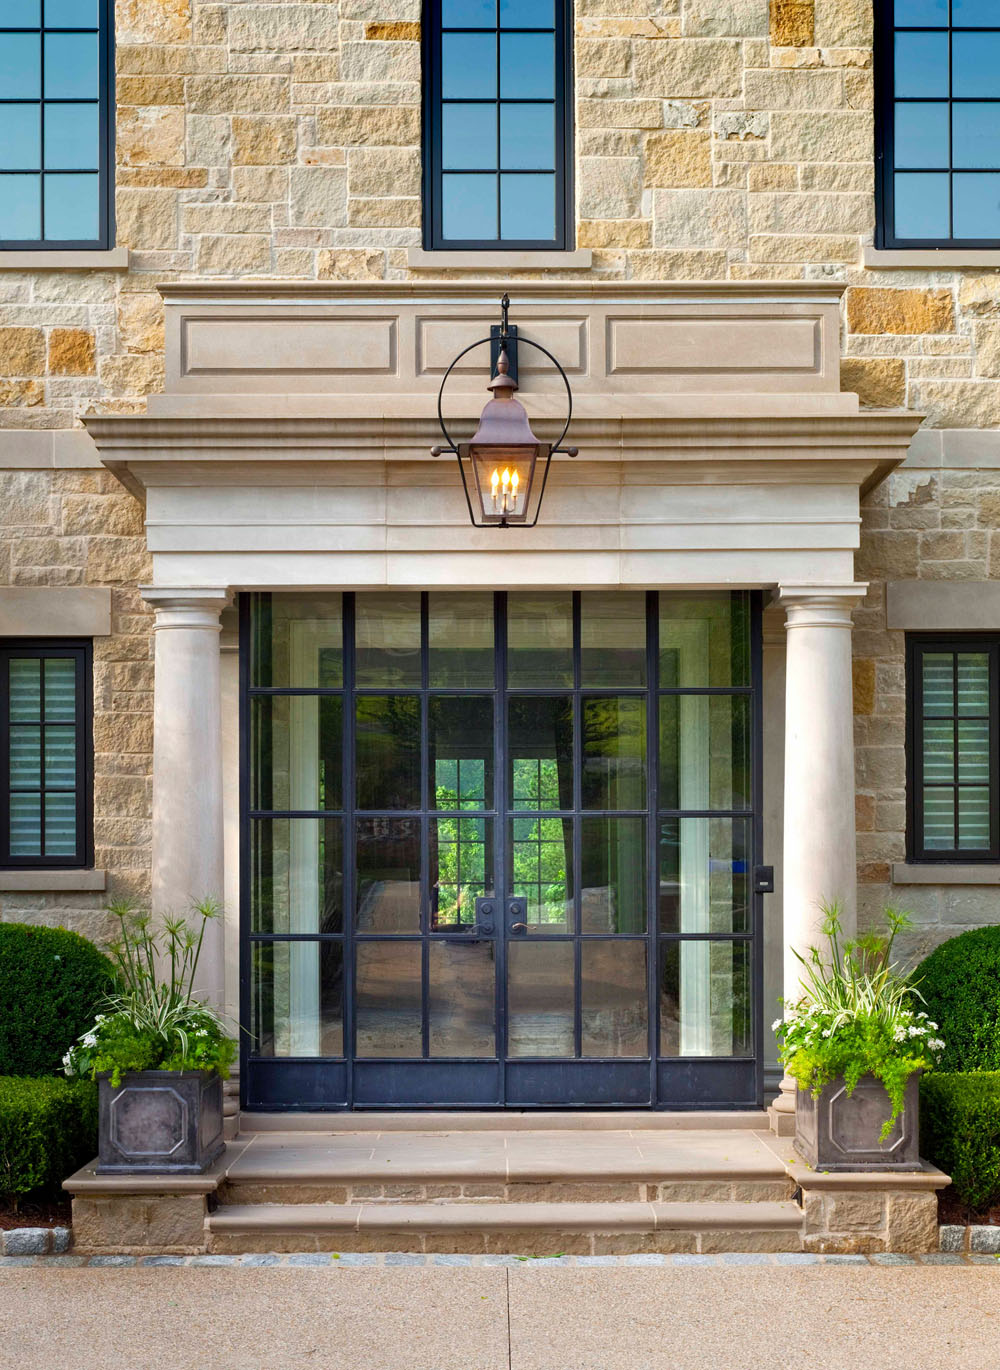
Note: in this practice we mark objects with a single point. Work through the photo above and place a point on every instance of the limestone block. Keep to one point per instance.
(833, 176)
(912, 1225)
(602, 57)
(877, 310)
(405, 31)
(683, 114)
(319, 196)
(608, 142)
(385, 213)
(350, 264)
(388, 125)
(150, 136)
(372, 61)
(877, 381)
(263, 141)
(384, 171)
(863, 676)
(225, 218)
(608, 187)
(699, 67)
(168, 60)
(810, 213)
(128, 1222)
(619, 114)
(260, 185)
(794, 89)
(22, 352)
(150, 90)
(152, 21)
(102, 515)
(735, 18)
(843, 23)
(233, 253)
(958, 404)
(282, 28)
(819, 136)
(979, 294)
(209, 139)
(772, 176)
(146, 219)
(134, 374)
(854, 1212)
(678, 159)
(614, 233)
(26, 394)
(238, 94)
(180, 178)
(665, 265)
(699, 218)
(791, 23)
(71, 352)
(741, 124)
(140, 322)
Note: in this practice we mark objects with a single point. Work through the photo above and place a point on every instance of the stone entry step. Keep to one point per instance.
(531, 1229)
(374, 1122)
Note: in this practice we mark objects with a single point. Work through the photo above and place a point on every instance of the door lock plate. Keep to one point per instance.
(486, 912)
(763, 879)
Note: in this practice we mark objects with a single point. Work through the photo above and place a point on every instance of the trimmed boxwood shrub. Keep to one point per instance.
(960, 1132)
(52, 983)
(48, 1129)
(960, 983)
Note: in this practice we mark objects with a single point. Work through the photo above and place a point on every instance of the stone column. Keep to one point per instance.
(188, 852)
(819, 864)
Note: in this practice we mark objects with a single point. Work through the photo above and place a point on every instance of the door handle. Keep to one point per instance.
(519, 928)
(517, 910)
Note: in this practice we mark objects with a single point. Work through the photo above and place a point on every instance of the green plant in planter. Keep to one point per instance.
(154, 1021)
(858, 1016)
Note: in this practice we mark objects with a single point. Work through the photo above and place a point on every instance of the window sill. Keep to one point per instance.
(417, 259)
(923, 257)
(46, 881)
(944, 874)
(114, 259)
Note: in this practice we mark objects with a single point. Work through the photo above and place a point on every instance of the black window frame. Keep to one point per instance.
(80, 650)
(433, 236)
(106, 143)
(886, 238)
(916, 645)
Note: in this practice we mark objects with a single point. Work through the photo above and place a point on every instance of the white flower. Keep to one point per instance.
(776, 1024)
(899, 1035)
(933, 1026)
(915, 1031)
(828, 1032)
(936, 1044)
(89, 1039)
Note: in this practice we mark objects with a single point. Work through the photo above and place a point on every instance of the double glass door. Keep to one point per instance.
(497, 849)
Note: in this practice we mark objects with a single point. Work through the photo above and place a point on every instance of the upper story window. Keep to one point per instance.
(45, 754)
(952, 754)
(497, 124)
(938, 109)
(55, 106)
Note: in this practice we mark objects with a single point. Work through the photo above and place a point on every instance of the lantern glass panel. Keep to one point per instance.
(503, 481)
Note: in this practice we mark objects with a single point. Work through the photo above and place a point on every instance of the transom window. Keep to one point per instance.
(54, 106)
(953, 774)
(938, 77)
(497, 124)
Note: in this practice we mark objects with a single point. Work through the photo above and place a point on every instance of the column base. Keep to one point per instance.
(781, 1114)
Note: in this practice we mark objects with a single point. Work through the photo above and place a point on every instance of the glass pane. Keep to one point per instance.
(973, 752)
(612, 638)
(965, 13)
(973, 819)
(705, 993)
(977, 205)
(25, 690)
(540, 639)
(60, 825)
(468, 66)
(939, 819)
(297, 875)
(72, 212)
(388, 999)
(540, 982)
(919, 13)
(72, 137)
(20, 67)
(25, 825)
(975, 64)
(939, 751)
(922, 64)
(613, 875)
(527, 207)
(922, 205)
(297, 999)
(296, 752)
(20, 208)
(468, 14)
(527, 66)
(526, 14)
(296, 640)
(22, 137)
(704, 875)
(614, 1018)
(461, 999)
(922, 135)
(974, 133)
(540, 744)
(388, 875)
(527, 137)
(542, 871)
(938, 680)
(71, 14)
(614, 752)
(704, 639)
(469, 208)
(461, 871)
(704, 752)
(387, 751)
(25, 756)
(460, 639)
(20, 14)
(60, 690)
(469, 137)
(60, 758)
(461, 752)
(71, 66)
(387, 639)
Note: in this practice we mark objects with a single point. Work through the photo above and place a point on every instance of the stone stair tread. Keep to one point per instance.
(570, 1216)
(331, 1124)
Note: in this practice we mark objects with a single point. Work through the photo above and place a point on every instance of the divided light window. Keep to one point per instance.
(938, 111)
(55, 85)
(45, 755)
(952, 689)
(497, 124)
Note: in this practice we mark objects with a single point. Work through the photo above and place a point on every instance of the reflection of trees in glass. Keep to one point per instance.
(542, 847)
(460, 842)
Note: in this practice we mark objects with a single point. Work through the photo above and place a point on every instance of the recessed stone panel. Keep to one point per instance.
(716, 347)
(239, 351)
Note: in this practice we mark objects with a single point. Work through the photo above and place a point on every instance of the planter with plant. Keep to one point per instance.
(158, 1052)
(856, 1043)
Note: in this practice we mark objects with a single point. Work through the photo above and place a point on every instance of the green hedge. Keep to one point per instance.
(48, 1129)
(960, 984)
(960, 1132)
(52, 983)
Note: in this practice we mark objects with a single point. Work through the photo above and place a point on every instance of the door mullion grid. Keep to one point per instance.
(577, 832)
(350, 838)
(653, 834)
(426, 782)
(503, 883)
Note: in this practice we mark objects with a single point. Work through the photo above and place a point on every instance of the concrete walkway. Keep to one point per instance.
(823, 1316)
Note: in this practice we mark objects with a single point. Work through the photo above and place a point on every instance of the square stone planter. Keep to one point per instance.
(841, 1132)
(160, 1122)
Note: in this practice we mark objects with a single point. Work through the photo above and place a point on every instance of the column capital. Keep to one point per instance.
(820, 606)
(186, 606)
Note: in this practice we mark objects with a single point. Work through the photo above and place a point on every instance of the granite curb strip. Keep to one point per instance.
(34, 1241)
(981, 1238)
